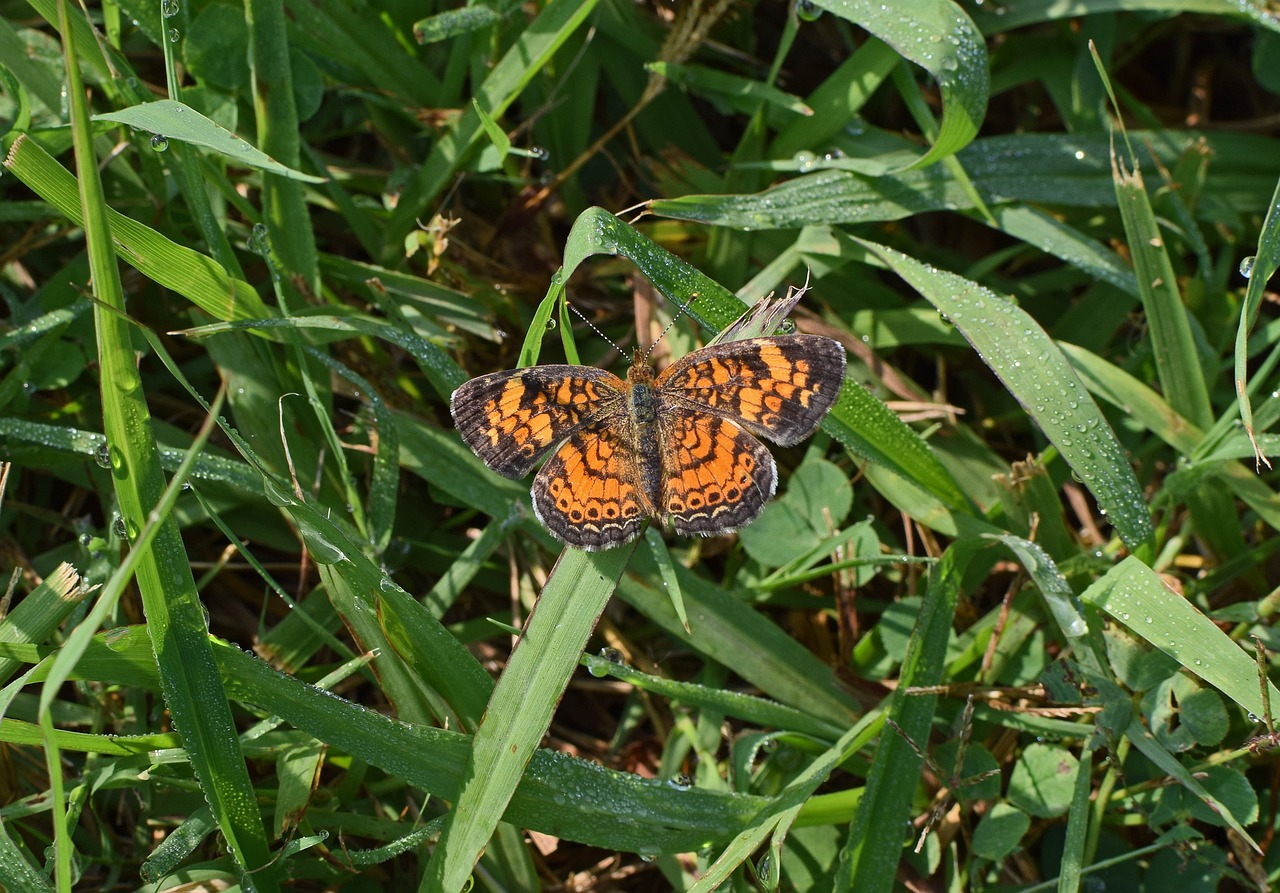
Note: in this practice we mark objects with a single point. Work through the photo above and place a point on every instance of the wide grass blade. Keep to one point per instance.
(938, 36)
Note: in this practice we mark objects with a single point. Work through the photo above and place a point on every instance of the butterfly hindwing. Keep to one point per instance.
(588, 492)
(717, 476)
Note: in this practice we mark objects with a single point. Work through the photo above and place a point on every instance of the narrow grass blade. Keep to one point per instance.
(193, 275)
(519, 711)
(1259, 269)
(283, 209)
(192, 686)
(175, 121)
(1030, 365)
(870, 856)
(1070, 170)
(734, 634)
(1030, 12)
(1172, 343)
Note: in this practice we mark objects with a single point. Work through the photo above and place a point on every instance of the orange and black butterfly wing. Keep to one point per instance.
(588, 493)
(778, 387)
(717, 476)
(512, 419)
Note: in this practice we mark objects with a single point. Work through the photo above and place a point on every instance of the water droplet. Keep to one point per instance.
(118, 639)
(174, 35)
(1246, 266)
(119, 529)
(159, 142)
(102, 455)
(807, 12)
(169, 8)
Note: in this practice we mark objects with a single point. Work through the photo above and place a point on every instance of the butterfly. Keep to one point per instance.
(680, 445)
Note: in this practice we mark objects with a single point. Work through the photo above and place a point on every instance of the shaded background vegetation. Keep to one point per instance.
(945, 544)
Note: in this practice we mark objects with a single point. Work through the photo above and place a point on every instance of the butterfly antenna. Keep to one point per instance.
(595, 329)
(684, 308)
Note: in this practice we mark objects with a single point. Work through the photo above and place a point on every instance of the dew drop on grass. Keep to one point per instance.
(169, 8)
(1246, 266)
(160, 142)
(807, 12)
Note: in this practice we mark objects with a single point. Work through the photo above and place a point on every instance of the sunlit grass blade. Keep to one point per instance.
(1030, 365)
(939, 37)
(192, 687)
(172, 120)
(519, 711)
(191, 274)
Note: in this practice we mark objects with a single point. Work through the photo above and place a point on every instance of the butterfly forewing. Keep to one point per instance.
(512, 419)
(779, 387)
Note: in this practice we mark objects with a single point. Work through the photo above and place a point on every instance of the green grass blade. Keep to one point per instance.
(19, 874)
(555, 24)
(191, 274)
(1263, 266)
(175, 121)
(519, 711)
(1030, 12)
(1172, 342)
(1133, 595)
(939, 37)
(192, 687)
(736, 636)
(1030, 365)
(870, 856)
(1069, 170)
(283, 209)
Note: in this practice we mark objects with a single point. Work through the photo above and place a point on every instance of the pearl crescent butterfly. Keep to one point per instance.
(679, 446)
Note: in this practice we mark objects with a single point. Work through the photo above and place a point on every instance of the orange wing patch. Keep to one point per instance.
(718, 477)
(588, 493)
(779, 387)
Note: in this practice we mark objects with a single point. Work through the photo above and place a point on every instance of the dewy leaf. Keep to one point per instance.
(1033, 369)
(175, 121)
(940, 37)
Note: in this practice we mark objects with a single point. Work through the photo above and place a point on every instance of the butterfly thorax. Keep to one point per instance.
(642, 403)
